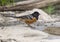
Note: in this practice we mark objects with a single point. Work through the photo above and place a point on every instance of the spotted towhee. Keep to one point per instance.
(28, 19)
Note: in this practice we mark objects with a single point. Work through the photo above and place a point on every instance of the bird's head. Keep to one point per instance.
(36, 14)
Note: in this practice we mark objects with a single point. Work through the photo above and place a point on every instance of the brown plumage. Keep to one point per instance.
(30, 21)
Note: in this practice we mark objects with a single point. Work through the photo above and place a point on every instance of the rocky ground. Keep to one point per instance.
(11, 30)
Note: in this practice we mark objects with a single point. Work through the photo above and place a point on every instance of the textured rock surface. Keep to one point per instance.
(15, 31)
(21, 33)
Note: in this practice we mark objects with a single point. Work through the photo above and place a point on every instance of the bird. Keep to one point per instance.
(28, 19)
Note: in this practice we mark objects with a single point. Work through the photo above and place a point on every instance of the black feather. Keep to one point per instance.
(35, 14)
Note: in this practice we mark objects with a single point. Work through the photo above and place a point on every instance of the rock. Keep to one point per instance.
(53, 30)
(1, 19)
(21, 33)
